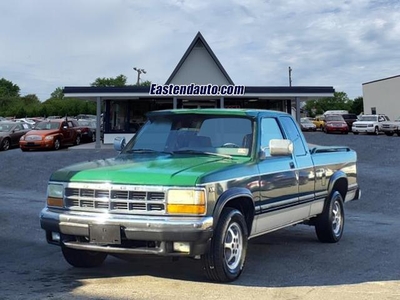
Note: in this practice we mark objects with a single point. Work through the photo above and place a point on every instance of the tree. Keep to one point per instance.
(117, 81)
(145, 83)
(8, 89)
(58, 93)
(357, 106)
(339, 101)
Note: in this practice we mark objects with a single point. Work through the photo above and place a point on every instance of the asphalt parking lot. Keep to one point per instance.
(287, 264)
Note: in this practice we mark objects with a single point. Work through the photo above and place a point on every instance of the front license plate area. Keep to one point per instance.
(104, 234)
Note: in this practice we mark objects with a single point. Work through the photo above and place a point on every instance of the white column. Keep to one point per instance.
(297, 109)
(98, 123)
(221, 102)
(175, 103)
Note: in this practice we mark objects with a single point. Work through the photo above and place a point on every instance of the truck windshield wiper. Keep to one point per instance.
(189, 151)
(144, 150)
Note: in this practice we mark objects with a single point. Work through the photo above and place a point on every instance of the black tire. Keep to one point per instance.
(57, 144)
(5, 144)
(225, 259)
(376, 131)
(355, 133)
(83, 259)
(330, 224)
(389, 133)
(77, 140)
(93, 137)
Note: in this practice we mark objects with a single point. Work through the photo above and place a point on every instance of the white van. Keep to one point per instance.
(336, 112)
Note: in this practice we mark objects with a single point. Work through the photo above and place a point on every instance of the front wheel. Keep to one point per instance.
(225, 259)
(376, 131)
(57, 144)
(329, 225)
(83, 259)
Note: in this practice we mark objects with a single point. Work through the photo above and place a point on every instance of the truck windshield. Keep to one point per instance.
(194, 134)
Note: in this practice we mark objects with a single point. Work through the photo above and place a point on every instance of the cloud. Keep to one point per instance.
(341, 43)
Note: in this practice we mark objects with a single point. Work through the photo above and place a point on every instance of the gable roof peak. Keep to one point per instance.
(197, 42)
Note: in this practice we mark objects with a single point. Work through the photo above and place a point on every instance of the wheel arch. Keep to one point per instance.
(338, 182)
(240, 199)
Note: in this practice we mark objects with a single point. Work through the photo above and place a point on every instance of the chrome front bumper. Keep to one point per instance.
(164, 230)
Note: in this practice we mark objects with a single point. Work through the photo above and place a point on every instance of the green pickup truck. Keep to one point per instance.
(199, 183)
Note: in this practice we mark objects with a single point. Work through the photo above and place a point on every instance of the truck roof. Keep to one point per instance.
(219, 111)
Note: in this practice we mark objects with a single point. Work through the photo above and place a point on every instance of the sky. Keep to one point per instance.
(46, 44)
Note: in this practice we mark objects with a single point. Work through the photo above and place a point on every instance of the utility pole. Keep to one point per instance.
(139, 71)
(290, 76)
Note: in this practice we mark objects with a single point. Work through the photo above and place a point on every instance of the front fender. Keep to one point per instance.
(229, 197)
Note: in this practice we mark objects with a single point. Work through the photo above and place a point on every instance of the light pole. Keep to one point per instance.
(139, 71)
(290, 76)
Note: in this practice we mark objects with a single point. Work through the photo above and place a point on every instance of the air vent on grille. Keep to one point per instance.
(115, 200)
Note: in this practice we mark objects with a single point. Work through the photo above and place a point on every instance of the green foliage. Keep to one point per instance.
(117, 81)
(339, 101)
(58, 93)
(357, 106)
(8, 89)
(145, 83)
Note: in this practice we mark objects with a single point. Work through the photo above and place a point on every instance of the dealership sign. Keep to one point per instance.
(196, 89)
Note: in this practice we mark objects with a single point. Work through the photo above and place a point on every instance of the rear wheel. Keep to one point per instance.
(5, 144)
(78, 140)
(83, 259)
(329, 225)
(227, 253)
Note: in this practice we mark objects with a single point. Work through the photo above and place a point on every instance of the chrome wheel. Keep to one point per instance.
(337, 218)
(57, 144)
(233, 246)
(330, 223)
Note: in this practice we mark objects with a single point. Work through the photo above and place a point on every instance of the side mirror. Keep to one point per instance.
(119, 143)
(280, 147)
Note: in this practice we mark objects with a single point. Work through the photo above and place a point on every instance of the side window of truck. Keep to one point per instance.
(293, 134)
(269, 130)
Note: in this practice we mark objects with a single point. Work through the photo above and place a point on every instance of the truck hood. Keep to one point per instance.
(187, 170)
(364, 122)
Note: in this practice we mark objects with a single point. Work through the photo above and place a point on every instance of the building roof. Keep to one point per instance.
(383, 79)
(198, 40)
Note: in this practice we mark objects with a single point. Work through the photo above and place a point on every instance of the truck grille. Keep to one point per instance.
(115, 198)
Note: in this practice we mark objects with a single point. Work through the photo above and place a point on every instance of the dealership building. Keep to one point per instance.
(382, 97)
(198, 81)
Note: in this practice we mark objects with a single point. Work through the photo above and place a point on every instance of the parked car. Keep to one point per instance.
(11, 132)
(307, 125)
(51, 134)
(319, 122)
(88, 130)
(391, 127)
(371, 124)
(335, 123)
(350, 119)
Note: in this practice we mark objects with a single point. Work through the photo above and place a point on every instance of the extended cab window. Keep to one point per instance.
(293, 134)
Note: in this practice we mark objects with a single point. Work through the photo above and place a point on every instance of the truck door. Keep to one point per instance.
(304, 167)
(278, 182)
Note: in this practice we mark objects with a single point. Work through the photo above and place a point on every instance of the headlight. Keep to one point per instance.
(186, 202)
(48, 138)
(22, 138)
(370, 125)
(55, 194)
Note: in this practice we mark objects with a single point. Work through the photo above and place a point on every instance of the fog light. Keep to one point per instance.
(55, 236)
(181, 247)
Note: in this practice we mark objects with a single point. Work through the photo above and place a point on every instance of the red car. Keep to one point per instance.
(51, 134)
(335, 123)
